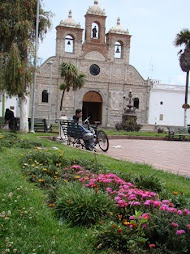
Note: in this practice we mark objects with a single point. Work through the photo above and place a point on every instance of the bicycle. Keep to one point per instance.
(100, 136)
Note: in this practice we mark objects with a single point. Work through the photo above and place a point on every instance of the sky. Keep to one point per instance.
(153, 25)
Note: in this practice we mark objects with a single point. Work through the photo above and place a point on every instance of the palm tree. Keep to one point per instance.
(72, 79)
(183, 38)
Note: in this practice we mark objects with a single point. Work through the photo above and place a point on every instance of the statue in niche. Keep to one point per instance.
(94, 32)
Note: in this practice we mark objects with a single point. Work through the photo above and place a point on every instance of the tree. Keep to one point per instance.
(72, 79)
(17, 37)
(183, 38)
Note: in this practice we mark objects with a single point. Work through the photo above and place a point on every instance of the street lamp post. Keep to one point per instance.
(35, 65)
(49, 93)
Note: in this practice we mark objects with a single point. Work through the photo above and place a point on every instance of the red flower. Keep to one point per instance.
(152, 245)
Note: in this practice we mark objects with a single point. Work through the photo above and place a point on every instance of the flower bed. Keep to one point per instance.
(139, 222)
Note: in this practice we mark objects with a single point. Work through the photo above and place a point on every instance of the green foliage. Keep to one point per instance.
(72, 79)
(10, 139)
(128, 125)
(119, 237)
(178, 199)
(82, 206)
(161, 232)
(183, 38)
(148, 182)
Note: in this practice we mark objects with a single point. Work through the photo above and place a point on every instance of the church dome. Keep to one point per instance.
(69, 22)
(118, 28)
(95, 9)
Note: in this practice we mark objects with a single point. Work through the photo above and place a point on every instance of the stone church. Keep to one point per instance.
(104, 59)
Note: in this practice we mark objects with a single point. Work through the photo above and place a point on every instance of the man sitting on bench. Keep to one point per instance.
(87, 135)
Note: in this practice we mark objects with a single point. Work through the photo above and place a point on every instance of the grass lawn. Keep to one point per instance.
(28, 225)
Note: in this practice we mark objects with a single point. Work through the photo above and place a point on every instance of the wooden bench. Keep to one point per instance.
(72, 132)
(40, 125)
(179, 134)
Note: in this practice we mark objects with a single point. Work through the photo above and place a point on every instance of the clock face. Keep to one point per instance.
(94, 69)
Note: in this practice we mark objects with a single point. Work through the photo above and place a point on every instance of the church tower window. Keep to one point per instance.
(95, 30)
(69, 44)
(118, 49)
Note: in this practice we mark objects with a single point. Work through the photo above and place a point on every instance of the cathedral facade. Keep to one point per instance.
(104, 59)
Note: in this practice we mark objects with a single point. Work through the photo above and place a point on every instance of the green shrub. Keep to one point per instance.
(163, 233)
(128, 125)
(27, 144)
(8, 139)
(148, 182)
(118, 237)
(80, 205)
(178, 199)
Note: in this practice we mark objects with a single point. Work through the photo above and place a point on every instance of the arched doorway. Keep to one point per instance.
(92, 106)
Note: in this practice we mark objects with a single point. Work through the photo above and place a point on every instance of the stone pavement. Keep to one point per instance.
(170, 156)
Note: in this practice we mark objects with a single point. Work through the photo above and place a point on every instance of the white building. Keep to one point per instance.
(10, 103)
(165, 105)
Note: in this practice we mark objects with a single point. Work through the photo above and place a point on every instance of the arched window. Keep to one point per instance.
(45, 96)
(95, 31)
(69, 44)
(118, 49)
(136, 102)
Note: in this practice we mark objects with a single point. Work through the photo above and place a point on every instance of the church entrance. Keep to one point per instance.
(92, 106)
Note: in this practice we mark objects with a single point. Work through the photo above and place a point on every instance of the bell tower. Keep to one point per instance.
(95, 29)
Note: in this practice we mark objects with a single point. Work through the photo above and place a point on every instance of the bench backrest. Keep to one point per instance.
(71, 128)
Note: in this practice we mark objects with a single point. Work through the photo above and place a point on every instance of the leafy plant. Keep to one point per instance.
(148, 182)
(80, 205)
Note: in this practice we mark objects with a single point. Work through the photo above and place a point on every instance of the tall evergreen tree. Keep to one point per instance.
(183, 38)
(72, 79)
(17, 37)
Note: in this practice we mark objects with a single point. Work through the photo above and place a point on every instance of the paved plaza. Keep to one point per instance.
(170, 156)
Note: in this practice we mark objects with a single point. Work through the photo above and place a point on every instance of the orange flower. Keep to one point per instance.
(41, 180)
(27, 173)
(51, 205)
(175, 192)
(119, 216)
(126, 223)
(119, 231)
(114, 226)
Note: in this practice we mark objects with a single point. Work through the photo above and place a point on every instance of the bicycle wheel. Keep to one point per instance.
(103, 141)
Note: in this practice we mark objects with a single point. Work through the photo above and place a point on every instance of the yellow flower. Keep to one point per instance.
(126, 223)
(1, 136)
(77, 177)
(40, 164)
(44, 169)
(56, 173)
(33, 165)
(66, 181)
(41, 180)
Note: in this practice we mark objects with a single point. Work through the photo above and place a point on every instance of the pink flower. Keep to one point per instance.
(179, 212)
(180, 232)
(145, 216)
(175, 225)
(132, 218)
(186, 211)
(188, 225)
(136, 203)
(152, 245)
